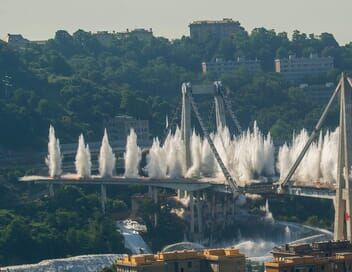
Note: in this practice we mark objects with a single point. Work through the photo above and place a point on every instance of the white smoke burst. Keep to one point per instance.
(156, 165)
(54, 158)
(107, 158)
(132, 156)
(247, 156)
(83, 159)
(196, 156)
(175, 155)
(318, 165)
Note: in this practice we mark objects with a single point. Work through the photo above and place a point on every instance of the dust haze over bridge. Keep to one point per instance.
(195, 166)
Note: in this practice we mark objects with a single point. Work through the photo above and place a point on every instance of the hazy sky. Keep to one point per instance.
(39, 19)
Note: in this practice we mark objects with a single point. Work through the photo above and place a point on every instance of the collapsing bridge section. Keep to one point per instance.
(343, 205)
(189, 104)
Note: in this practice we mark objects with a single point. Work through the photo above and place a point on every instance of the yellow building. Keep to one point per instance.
(209, 260)
(335, 263)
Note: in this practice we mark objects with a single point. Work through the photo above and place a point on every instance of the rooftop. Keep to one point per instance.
(311, 56)
(207, 254)
(223, 21)
(330, 247)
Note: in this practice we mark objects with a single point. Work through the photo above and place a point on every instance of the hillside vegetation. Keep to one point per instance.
(76, 83)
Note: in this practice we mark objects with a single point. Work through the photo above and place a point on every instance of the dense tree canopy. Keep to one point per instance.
(68, 224)
(76, 82)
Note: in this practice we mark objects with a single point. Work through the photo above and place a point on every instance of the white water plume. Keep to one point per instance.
(167, 160)
(132, 155)
(208, 162)
(175, 155)
(287, 234)
(196, 156)
(255, 248)
(247, 156)
(269, 157)
(54, 158)
(107, 158)
(318, 165)
(268, 213)
(83, 159)
(156, 161)
(329, 154)
(253, 156)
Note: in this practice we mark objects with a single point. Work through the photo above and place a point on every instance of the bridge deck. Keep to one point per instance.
(187, 184)
(179, 183)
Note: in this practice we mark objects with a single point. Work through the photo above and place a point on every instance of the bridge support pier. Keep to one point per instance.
(103, 197)
(191, 205)
(233, 201)
(199, 216)
(150, 191)
(213, 221)
(181, 193)
(51, 190)
(155, 200)
(343, 204)
(225, 211)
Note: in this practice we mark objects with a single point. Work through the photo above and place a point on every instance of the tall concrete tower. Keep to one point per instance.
(220, 115)
(343, 226)
(186, 122)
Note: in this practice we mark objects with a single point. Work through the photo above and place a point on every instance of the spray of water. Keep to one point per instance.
(248, 156)
(83, 159)
(287, 234)
(208, 162)
(175, 152)
(318, 165)
(132, 155)
(54, 158)
(156, 161)
(196, 156)
(107, 158)
(268, 214)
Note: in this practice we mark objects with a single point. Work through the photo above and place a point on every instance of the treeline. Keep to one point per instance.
(76, 82)
(33, 228)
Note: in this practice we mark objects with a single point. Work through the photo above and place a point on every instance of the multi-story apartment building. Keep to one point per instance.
(327, 256)
(296, 69)
(203, 30)
(140, 33)
(16, 40)
(208, 260)
(119, 128)
(106, 37)
(318, 94)
(220, 66)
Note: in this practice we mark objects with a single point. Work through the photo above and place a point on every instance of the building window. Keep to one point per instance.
(189, 264)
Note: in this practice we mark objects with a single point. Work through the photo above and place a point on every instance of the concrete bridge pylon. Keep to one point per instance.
(343, 226)
(189, 104)
(342, 201)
